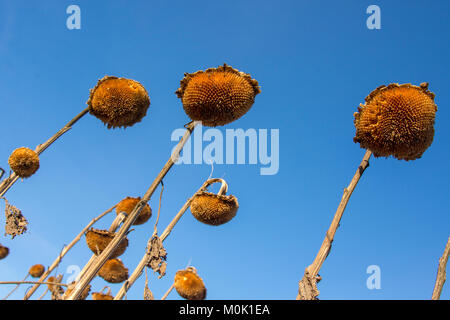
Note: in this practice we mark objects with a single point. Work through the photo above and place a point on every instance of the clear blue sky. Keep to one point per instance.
(315, 61)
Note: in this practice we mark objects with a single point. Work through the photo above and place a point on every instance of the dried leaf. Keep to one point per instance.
(157, 256)
(16, 223)
(148, 295)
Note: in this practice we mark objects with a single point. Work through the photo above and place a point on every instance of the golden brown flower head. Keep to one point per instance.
(37, 270)
(189, 285)
(52, 287)
(24, 162)
(83, 295)
(118, 102)
(396, 120)
(214, 209)
(113, 271)
(127, 205)
(217, 96)
(4, 251)
(102, 296)
(98, 240)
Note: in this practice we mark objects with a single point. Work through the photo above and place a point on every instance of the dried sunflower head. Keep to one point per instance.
(214, 209)
(37, 270)
(127, 205)
(24, 162)
(217, 96)
(114, 271)
(397, 120)
(83, 295)
(98, 240)
(118, 102)
(102, 296)
(4, 251)
(189, 285)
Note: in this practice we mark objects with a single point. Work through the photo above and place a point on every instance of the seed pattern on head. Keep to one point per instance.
(127, 205)
(189, 285)
(98, 240)
(397, 120)
(113, 271)
(217, 96)
(37, 270)
(102, 296)
(118, 102)
(24, 162)
(4, 251)
(214, 209)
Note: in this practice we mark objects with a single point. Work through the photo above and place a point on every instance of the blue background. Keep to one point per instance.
(315, 62)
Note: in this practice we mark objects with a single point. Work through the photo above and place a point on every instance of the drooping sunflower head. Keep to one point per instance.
(396, 120)
(189, 285)
(113, 271)
(4, 251)
(118, 102)
(102, 296)
(217, 96)
(214, 209)
(98, 240)
(127, 205)
(36, 271)
(24, 162)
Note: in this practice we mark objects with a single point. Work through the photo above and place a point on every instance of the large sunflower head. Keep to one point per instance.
(214, 209)
(36, 271)
(189, 285)
(113, 271)
(127, 205)
(98, 240)
(118, 102)
(396, 120)
(4, 251)
(24, 162)
(217, 96)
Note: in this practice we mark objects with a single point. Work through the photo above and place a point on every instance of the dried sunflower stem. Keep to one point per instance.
(441, 274)
(138, 271)
(33, 282)
(307, 286)
(168, 292)
(15, 288)
(64, 252)
(100, 260)
(8, 182)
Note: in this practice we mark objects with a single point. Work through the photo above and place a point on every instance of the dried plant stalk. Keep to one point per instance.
(144, 261)
(64, 252)
(34, 282)
(307, 286)
(8, 182)
(164, 297)
(101, 259)
(441, 274)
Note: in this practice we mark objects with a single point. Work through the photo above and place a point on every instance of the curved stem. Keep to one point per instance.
(7, 183)
(64, 252)
(138, 271)
(100, 260)
(307, 286)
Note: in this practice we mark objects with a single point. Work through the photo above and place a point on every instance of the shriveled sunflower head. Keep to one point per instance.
(127, 205)
(397, 120)
(217, 96)
(113, 271)
(189, 285)
(214, 209)
(4, 251)
(36, 271)
(118, 102)
(24, 162)
(98, 240)
(102, 296)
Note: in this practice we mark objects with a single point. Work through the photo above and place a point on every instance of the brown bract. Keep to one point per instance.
(83, 295)
(98, 240)
(24, 162)
(102, 296)
(114, 271)
(217, 96)
(118, 102)
(127, 205)
(189, 285)
(397, 120)
(37, 270)
(213, 209)
(4, 251)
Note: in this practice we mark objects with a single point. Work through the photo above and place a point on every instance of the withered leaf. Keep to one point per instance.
(16, 223)
(156, 256)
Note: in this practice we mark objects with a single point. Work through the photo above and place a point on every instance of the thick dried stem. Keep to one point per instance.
(100, 260)
(64, 252)
(307, 286)
(138, 271)
(8, 182)
(441, 274)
